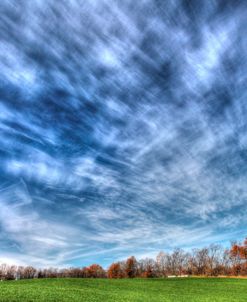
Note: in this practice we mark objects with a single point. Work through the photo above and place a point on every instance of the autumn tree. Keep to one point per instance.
(131, 267)
(148, 268)
(96, 271)
(115, 271)
(238, 254)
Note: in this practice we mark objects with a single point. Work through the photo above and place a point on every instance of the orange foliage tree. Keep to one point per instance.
(238, 254)
(131, 267)
(115, 271)
(95, 271)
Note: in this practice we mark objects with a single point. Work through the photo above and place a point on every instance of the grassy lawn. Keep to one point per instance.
(150, 290)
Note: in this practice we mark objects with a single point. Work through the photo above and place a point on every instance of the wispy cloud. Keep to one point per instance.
(122, 128)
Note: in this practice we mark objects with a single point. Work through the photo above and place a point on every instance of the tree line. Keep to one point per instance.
(213, 260)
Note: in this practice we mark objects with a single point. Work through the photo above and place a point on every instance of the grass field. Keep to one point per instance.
(141, 290)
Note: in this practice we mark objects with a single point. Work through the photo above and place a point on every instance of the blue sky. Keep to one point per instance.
(122, 128)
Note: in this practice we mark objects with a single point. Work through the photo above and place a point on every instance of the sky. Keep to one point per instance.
(123, 128)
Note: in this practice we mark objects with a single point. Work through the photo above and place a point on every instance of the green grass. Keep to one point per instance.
(141, 290)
